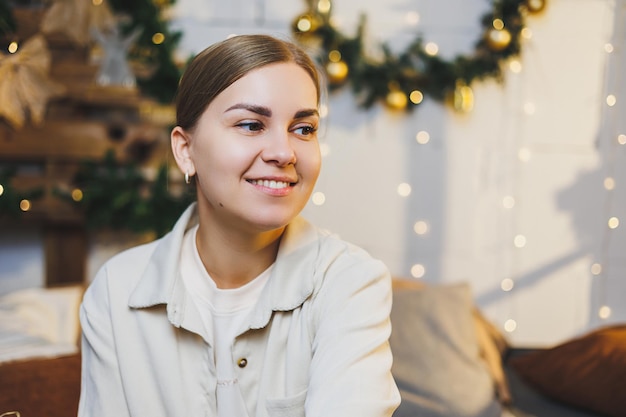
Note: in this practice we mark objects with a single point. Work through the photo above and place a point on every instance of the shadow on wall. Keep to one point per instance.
(592, 201)
(591, 205)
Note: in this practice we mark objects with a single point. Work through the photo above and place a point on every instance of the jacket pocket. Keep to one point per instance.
(287, 406)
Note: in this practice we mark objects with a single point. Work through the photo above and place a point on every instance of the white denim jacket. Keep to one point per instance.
(315, 345)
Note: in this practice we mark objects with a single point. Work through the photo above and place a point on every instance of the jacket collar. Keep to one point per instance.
(294, 273)
(160, 282)
(292, 280)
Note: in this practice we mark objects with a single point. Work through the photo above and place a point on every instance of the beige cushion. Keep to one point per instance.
(439, 364)
(492, 343)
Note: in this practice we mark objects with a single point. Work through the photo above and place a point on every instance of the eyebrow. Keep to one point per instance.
(267, 112)
(306, 113)
(261, 110)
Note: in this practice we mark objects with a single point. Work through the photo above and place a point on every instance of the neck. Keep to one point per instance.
(233, 259)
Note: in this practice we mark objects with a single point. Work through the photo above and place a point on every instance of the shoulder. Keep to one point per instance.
(129, 261)
(349, 281)
(120, 273)
(343, 267)
(337, 255)
(312, 260)
(306, 246)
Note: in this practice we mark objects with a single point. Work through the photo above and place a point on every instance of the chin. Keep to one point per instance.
(272, 220)
(267, 225)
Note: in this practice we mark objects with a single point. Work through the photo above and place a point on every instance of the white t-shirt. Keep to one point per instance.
(227, 309)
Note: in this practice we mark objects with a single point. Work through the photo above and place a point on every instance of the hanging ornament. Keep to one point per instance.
(24, 84)
(337, 72)
(536, 6)
(306, 25)
(336, 68)
(13, 46)
(396, 99)
(463, 97)
(114, 68)
(324, 6)
(498, 38)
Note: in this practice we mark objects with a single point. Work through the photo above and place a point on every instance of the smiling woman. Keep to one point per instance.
(260, 129)
(244, 308)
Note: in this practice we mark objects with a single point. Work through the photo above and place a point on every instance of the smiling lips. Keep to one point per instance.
(272, 184)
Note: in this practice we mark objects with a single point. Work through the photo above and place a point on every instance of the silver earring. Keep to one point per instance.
(187, 177)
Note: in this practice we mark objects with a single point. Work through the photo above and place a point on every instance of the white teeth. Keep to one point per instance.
(271, 183)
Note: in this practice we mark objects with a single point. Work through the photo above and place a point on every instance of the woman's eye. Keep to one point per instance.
(251, 126)
(305, 130)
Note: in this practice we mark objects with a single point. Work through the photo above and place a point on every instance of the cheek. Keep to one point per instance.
(220, 153)
(310, 162)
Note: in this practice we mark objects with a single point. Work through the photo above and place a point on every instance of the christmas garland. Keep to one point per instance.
(402, 80)
(399, 80)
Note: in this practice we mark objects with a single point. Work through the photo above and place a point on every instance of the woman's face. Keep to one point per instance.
(255, 151)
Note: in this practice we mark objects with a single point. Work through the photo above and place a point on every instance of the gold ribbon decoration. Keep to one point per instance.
(25, 88)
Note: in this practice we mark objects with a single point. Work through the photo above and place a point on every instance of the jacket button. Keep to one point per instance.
(242, 362)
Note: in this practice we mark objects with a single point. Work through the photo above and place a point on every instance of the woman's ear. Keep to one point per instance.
(181, 148)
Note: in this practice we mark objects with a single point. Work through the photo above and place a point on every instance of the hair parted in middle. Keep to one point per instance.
(223, 63)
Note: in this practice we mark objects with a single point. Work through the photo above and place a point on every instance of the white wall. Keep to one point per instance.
(472, 162)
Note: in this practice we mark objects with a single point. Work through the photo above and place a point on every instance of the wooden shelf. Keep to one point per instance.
(75, 140)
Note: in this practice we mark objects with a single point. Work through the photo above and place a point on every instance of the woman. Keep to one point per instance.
(244, 309)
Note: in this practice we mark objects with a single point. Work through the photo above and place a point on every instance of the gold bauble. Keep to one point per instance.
(306, 24)
(396, 100)
(463, 98)
(305, 29)
(337, 71)
(77, 194)
(498, 39)
(536, 6)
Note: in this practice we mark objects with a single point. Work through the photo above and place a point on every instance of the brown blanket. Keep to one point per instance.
(41, 387)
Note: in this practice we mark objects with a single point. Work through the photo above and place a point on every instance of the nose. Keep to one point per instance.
(279, 150)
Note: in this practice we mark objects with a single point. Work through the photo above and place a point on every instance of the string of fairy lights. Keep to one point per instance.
(611, 148)
(393, 88)
(612, 144)
(402, 82)
(508, 268)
